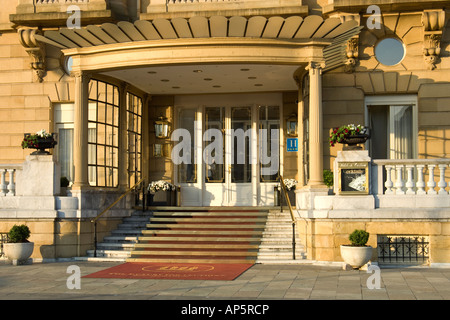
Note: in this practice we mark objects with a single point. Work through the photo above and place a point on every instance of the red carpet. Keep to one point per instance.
(179, 271)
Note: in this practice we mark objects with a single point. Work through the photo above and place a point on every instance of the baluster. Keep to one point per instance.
(420, 181)
(410, 182)
(389, 184)
(442, 184)
(11, 185)
(3, 189)
(399, 184)
(431, 184)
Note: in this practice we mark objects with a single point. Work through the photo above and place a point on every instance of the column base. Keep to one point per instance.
(305, 195)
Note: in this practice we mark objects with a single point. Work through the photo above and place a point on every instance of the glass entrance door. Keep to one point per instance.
(228, 154)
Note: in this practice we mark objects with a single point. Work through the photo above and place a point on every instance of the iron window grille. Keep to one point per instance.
(408, 249)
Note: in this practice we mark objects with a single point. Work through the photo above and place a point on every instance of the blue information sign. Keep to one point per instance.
(292, 144)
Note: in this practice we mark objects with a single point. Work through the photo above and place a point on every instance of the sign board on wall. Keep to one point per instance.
(292, 144)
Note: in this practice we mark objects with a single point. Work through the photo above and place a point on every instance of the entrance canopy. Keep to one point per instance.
(201, 40)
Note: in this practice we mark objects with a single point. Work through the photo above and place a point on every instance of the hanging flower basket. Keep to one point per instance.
(41, 140)
(351, 135)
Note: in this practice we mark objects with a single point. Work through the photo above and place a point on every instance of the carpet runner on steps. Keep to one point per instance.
(213, 236)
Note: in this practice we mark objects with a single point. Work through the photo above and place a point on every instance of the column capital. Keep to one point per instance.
(313, 65)
(85, 76)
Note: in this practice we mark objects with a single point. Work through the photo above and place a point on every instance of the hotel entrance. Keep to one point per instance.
(229, 152)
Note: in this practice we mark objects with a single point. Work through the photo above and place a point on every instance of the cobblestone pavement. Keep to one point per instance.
(44, 281)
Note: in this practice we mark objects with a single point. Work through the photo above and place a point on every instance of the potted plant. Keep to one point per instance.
(357, 253)
(64, 183)
(18, 249)
(350, 134)
(328, 180)
(161, 193)
(41, 140)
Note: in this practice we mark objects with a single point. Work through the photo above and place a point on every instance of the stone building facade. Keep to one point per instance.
(99, 73)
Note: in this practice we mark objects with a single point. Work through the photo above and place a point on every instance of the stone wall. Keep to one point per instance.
(323, 237)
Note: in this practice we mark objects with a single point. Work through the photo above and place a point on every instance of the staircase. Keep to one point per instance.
(118, 246)
(276, 243)
(223, 235)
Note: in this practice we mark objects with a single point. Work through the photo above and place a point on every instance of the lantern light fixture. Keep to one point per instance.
(162, 127)
(292, 125)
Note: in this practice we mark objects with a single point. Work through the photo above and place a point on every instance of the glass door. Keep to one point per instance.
(241, 150)
(227, 155)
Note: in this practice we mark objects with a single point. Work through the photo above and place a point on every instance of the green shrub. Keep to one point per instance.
(64, 182)
(328, 178)
(19, 234)
(359, 238)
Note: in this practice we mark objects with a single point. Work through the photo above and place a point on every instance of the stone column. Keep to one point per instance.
(80, 146)
(305, 196)
(315, 125)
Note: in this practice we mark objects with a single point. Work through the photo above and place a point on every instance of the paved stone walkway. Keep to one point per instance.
(44, 281)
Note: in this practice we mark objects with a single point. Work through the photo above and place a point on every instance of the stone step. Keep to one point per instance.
(209, 220)
(120, 239)
(196, 239)
(192, 260)
(110, 253)
(227, 246)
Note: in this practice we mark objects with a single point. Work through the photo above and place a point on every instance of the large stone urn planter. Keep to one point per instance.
(18, 253)
(356, 256)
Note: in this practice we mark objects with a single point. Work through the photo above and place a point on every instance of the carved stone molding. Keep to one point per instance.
(352, 44)
(433, 23)
(352, 54)
(35, 50)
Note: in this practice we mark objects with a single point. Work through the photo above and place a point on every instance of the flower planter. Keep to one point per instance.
(356, 256)
(18, 253)
(39, 141)
(279, 196)
(162, 198)
(353, 141)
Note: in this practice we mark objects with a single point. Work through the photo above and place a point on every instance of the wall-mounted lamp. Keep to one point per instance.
(162, 127)
(291, 125)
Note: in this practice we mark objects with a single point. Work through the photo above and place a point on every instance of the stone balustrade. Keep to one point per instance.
(411, 177)
(8, 178)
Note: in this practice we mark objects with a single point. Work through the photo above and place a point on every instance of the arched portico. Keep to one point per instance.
(308, 44)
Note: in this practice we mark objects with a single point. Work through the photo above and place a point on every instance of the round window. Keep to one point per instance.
(67, 64)
(389, 51)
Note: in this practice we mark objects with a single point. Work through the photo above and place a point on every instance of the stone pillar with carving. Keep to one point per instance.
(35, 50)
(433, 23)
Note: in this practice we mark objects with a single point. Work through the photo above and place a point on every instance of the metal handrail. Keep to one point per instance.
(94, 220)
(294, 221)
